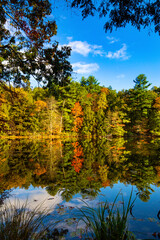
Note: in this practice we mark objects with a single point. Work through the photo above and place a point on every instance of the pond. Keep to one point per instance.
(65, 174)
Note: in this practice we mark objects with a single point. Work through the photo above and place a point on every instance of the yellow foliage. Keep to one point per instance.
(40, 105)
(103, 172)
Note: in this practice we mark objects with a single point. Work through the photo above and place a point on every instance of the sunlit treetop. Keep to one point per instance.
(141, 82)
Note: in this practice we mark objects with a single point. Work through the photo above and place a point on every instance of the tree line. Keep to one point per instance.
(81, 108)
(28, 50)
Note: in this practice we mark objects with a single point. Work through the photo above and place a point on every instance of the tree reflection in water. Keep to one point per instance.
(84, 167)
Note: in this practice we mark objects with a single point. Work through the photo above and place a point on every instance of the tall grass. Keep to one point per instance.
(19, 223)
(108, 222)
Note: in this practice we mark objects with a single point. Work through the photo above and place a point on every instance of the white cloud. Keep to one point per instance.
(83, 68)
(85, 48)
(112, 39)
(119, 54)
(69, 38)
(82, 48)
(120, 76)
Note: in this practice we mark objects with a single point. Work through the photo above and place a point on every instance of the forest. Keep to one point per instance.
(82, 109)
(59, 105)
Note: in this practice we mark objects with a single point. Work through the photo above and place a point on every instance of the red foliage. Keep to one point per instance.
(32, 34)
(77, 114)
(106, 183)
(78, 157)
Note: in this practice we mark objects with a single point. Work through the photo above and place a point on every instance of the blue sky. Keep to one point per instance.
(115, 58)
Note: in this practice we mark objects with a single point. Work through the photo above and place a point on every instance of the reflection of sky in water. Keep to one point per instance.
(35, 196)
(144, 225)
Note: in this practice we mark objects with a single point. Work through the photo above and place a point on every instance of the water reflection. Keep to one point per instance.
(83, 167)
(60, 171)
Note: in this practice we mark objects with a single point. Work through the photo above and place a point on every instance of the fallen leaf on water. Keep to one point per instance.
(71, 208)
(140, 220)
(152, 219)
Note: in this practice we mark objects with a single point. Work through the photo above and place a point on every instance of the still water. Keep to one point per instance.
(64, 174)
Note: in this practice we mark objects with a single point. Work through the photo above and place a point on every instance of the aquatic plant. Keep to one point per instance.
(108, 221)
(20, 223)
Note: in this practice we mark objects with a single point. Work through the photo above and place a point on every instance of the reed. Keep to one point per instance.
(108, 221)
(19, 223)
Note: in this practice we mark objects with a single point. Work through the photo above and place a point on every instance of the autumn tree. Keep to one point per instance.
(23, 49)
(78, 157)
(52, 117)
(4, 112)
(154, 118)
(21, 116)
(102, 105)
(78, 116)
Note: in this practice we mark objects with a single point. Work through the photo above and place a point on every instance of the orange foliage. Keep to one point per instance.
(121, 125)
(31, 160)
(77, 110)
(3, 160)
(40, 105)
(2, 99)
(158, 170)
(112, 147)
(90, 179)
(78, 157)
(114, 154)
(105, 90)
(39, 170)
(89, 95)
(121, 148)
(77, 114)
(106, 183)
(157, 103)
(75, 144)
